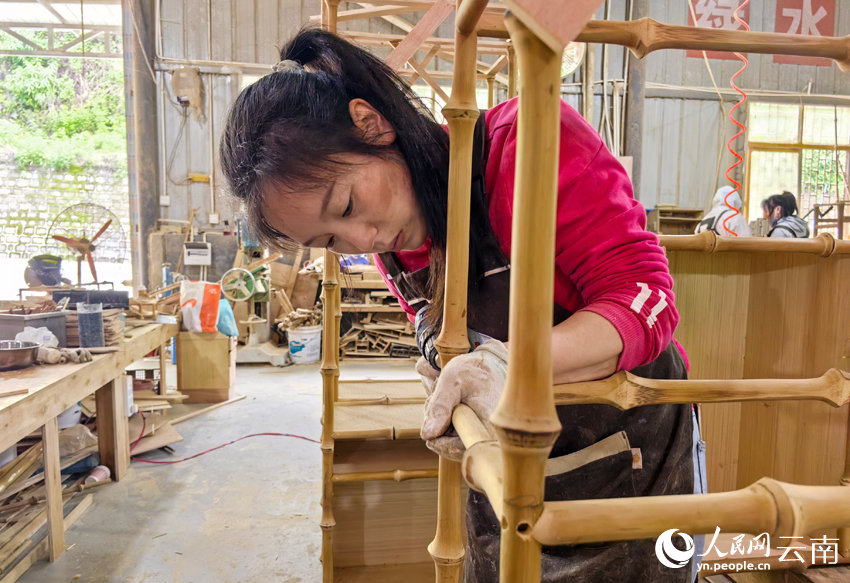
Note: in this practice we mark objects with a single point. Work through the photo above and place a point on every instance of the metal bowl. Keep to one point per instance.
(16, 354)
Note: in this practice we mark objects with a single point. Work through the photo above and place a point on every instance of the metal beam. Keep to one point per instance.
(52, 11)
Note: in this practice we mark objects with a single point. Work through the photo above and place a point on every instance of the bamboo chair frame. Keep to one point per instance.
(511, 470)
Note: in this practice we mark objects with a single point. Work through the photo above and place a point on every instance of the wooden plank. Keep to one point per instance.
(112, 428)
(166, 435)
(203, 410)
(53, 481)
(551, 23)
(423, 29)
(428, 79)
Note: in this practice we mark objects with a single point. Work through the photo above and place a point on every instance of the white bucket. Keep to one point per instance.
(305, 344)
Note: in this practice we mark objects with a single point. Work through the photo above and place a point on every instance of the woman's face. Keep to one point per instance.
(369, 208)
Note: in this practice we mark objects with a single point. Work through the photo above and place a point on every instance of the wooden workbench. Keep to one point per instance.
(54, 388)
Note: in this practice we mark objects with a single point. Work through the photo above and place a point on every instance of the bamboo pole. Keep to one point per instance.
(491, 91)
(625, 390)
(394, 475)
(844, 533)
(645, 35)
(708, 242)
(513, 71)
(461, 112)
(468, 15)
(330, 374)
(330, 367)
(779, 509)
(525, 420)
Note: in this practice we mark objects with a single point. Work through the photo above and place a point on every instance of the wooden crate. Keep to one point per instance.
(206, 366)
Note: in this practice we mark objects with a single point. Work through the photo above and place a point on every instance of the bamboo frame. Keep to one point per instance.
(625, 390)
(824, 244)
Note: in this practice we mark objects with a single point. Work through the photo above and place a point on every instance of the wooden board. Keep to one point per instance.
(377, 422)
(404, 573)
(766, 315)
(165, 435)
(204, 361)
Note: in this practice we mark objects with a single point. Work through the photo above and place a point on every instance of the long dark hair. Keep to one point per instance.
(786, 201)
(289, 126)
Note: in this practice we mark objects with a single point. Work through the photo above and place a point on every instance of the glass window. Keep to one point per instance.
(825, 125)
(771, 173)
(775, 123)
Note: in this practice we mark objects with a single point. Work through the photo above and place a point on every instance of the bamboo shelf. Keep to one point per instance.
(380, 393)
(370, 308)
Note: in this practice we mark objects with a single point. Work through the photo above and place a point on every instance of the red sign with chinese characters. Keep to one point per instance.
(718, 14)
(808, 18)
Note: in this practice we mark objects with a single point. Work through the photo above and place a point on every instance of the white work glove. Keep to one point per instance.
(428, 374)
(76, 355)
(475, 379)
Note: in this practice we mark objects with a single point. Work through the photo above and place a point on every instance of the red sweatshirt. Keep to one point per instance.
(605, 261)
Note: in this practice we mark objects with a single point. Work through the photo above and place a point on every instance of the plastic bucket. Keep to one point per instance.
(305, 344)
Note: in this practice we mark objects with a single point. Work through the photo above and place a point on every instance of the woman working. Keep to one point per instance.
(333, 151)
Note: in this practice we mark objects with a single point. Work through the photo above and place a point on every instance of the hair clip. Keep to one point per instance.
(286, 65)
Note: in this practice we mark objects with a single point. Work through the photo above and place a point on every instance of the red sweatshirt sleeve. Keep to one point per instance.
(603, 248)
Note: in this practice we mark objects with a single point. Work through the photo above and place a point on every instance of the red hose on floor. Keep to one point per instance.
(136, 459)
(740, 161)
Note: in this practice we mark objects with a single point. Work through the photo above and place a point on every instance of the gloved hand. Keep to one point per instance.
(475, 379)
(428, 374)
(76, 355)
(49, 356)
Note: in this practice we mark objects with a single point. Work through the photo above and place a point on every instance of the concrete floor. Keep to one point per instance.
(246, 513)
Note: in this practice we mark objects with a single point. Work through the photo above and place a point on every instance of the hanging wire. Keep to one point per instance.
(736, 212)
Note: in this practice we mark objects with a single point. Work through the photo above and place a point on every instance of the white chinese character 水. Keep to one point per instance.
(804, 16)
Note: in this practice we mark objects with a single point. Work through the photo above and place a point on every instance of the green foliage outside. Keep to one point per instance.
(64, 114)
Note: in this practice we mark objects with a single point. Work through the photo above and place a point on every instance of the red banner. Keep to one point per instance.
(808, 18)
(718, 14)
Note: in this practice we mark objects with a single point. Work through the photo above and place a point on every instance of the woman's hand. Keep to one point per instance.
(475, 379)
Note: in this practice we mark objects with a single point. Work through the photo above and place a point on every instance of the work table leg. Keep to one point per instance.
(53, 481)
(112, 429)
(163, 387)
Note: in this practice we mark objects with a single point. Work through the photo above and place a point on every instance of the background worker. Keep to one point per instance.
(723, 220)
(781, 211)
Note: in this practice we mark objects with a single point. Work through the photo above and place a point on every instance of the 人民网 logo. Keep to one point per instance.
(667, 552)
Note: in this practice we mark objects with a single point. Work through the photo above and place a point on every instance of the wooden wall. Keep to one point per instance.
(766, 315)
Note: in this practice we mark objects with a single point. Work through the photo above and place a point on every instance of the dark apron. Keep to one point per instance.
(664, 434)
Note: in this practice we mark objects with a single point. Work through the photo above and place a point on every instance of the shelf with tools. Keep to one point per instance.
(375, 324)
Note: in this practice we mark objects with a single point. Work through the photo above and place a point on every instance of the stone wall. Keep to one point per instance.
(32, 199)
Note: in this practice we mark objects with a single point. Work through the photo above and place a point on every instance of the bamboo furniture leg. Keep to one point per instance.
(525, 420)
(53, 481)
(512, 73)
(330, 378)
(844, 533)
(461, 111)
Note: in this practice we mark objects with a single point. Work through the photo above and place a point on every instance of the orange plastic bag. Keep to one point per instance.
(199, 305)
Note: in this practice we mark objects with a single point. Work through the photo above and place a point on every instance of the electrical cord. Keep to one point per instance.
(191, 457)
